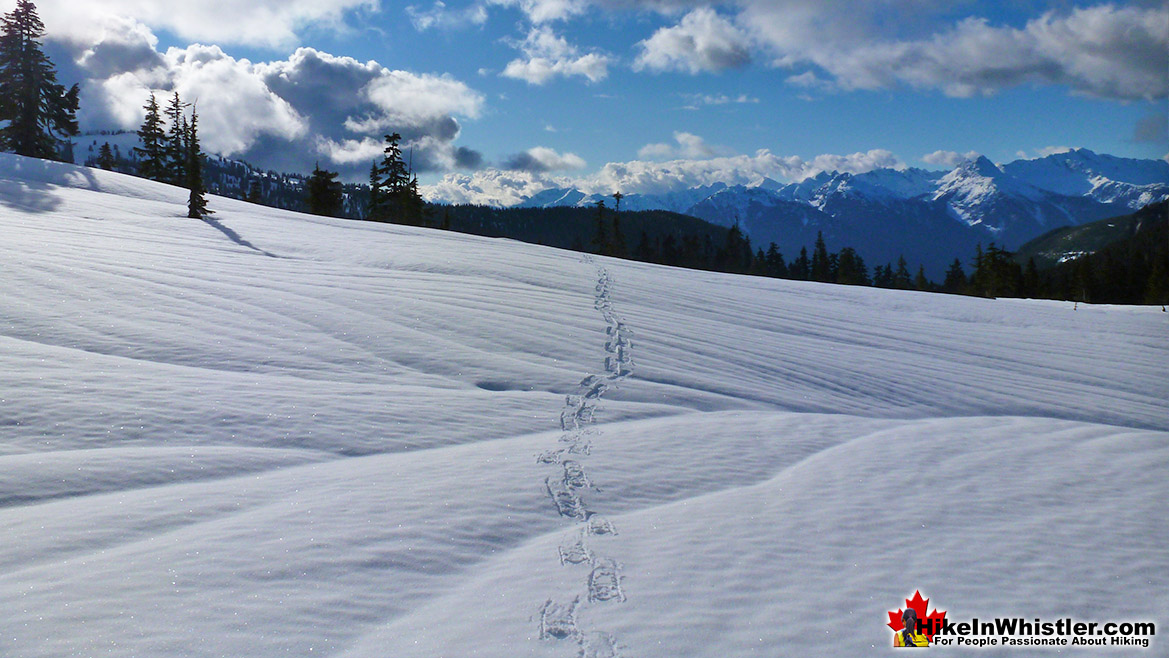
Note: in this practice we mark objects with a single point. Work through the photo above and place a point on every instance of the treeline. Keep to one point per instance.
(1133, 270)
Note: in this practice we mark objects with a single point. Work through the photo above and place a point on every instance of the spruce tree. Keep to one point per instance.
(955, 281)
(373, 210)
(105, 157)
(1157, 288)
(901, 277)
(618, 248)
(800, 268)
(851, 268)
(324, 192)
(152, 154)
(1030, 280)
(601, 236)
(39, 113)
(196, 202)
(775, 265)
(174, 151)
(393, 190)
(645, 250)
(820, 268)
(920, 282)
(255, 193)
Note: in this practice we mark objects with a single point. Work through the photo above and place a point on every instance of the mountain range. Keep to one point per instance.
(930, 217)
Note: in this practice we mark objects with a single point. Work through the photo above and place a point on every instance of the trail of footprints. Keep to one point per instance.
(569, 483)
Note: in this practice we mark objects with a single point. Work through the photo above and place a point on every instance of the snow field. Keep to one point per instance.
(269, 433)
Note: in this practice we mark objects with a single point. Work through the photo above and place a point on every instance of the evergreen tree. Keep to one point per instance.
(669, 253)
(851, 268)
(618, 247)
(955, 281)
(39, 112)
(173, 148)
(920, 282)
(820, 267)
(601, 243)
(736, 253)
(800, 268)
(1157, 288)
(105, 157)
(394, 193)
(196, 202)
(775, 265)
(152, 153)
(645, 250)
(901, 277)
(324, 192)
(1031, 280)
(255, 193)
(373, 209)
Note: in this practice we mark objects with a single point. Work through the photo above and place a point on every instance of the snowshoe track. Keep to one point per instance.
(558, 621)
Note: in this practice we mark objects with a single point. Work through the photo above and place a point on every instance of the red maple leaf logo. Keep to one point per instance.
(919, 606)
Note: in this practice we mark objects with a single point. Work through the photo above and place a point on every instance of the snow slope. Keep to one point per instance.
(270, 433)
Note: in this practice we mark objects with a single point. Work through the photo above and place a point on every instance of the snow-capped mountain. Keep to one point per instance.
(929, 216)
(1081, 172)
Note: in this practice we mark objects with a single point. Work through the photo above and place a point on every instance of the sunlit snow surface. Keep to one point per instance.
(274, 434)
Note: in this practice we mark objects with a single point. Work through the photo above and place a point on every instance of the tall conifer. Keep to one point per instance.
(39, 113)
(152, 153)
(196, 202)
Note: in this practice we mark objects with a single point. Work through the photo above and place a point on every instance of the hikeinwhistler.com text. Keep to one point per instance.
(1019, 632)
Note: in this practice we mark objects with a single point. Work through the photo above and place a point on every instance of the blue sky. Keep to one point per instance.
(498, 98)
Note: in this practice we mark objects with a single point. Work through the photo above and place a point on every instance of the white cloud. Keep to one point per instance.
(719, 99)
(415, 98)
(1043, 152)
(949, 159)
(494, 187)
(439, 17)
(350, 151)
(685, 146)
(1104, 50)
(543, 11)
(703, 41)
(235, 106)
(284, 113)
(543, 159)
(490, 187)
(853, 163)
(267, 23)
(547, 55)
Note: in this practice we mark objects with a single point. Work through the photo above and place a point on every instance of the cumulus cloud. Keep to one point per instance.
(441, 18)
(949, 159)
(502, 188)
(543, 11)
(268, 23)
(493, 187)
(547, 55)
(703, 41)
(543, 159)
(1104, 50)
(685, 146)
(286, 113)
